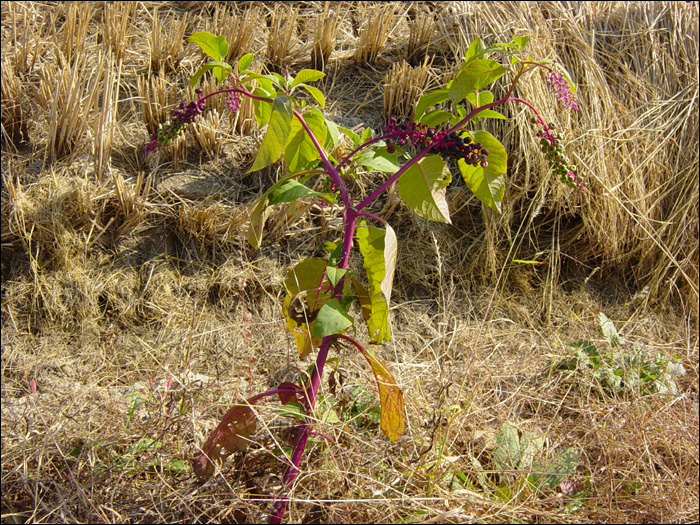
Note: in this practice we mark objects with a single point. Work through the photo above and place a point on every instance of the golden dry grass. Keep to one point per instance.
(134, 313)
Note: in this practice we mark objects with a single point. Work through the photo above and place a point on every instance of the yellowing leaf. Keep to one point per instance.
(378, 249)
(393, 418)
(423, 186)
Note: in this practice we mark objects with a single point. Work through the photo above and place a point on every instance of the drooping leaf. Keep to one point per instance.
(423, 186)
(378, 249)
(315, 93)
(256, 222)
(487, 183)
(276, 136)
(376, 160)
(609, 330)
(393, 416)
(333, 136)
(291, 190)
(214, 46)
(218, 67)
(476, 74)
(233, 433)
(331, 319)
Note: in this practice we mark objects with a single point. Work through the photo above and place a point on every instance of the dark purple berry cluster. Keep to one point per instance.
(446, 144)
(183, 115)
(553, 150)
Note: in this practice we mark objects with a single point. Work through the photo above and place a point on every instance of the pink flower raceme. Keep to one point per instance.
(560, 87)
(183, 115)
(233, 101)
(441, 142)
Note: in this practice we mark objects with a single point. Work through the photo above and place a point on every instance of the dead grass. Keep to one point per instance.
(134, 313)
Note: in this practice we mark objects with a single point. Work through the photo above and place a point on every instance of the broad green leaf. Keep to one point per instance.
(291, 190)
(316, 94)
(263, 110)
(521, 41)
(293, 409)
(378, 249)
(306, 75)
(214, 46)
(332, 319)
(276, 136)
(219, 68)
(393, 415)
(423, 186)
(375, 160)
(299, 150)
(530, 445)
(244, 62)
(366, 134)
(506, 453)
(609, 330)
(432, 119)
(428, 101)
(487, 183)
(475, 75)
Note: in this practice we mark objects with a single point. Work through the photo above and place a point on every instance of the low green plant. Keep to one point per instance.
(414, 155)
(621, 373)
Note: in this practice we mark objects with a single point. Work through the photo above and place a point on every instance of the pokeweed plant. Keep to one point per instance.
(412, 154)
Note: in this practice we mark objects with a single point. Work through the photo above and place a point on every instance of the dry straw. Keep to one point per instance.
(14, 116)
(116, 27)
(239, 27)
(325, 34)
(282, 42)
(377, 24)
(403, 86)
(421, 33)
(167, 42)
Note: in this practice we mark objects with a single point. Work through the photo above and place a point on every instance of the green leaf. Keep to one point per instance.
(434, 118)
(276, 136)
(521, 41)
(214, 46)
(506, 453)
(475, 75)
(375, 160)
(316, 94)
(244, 62)
(263, 110)
(299, 150)
(332, 319)
(487, 183)
(335, 274)
(475, 50)
(552, 473)
(609, 331)
(378, 249)
(485, 97)
(306, 75)
(219, 68)
(333, 137)
(423, 186)
(351, 135)
(428, 101)
(291, 190)
(293, 409)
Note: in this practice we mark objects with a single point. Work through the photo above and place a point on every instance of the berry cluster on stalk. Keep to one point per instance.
(553, 150)
(183, 115)
(446, 144)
